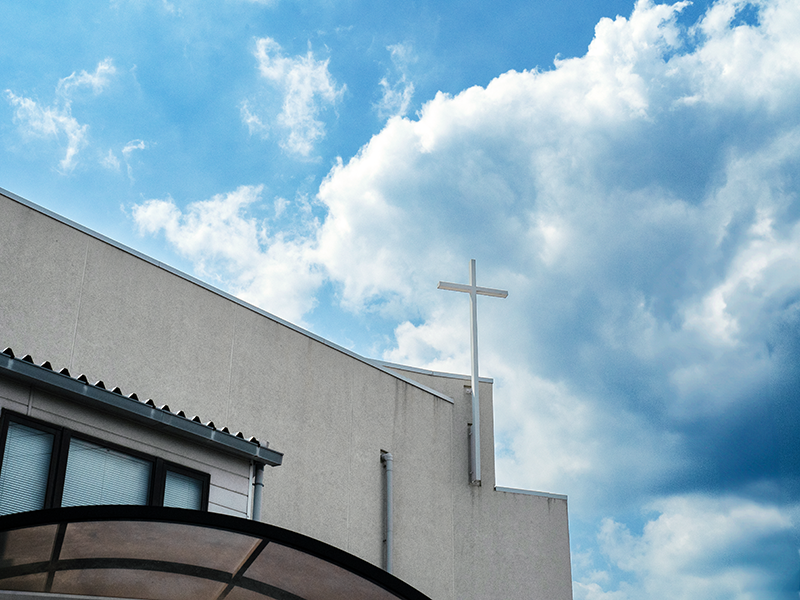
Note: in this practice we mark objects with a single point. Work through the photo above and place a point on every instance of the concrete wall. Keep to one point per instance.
(229, 476)
(499, 535)
(80, 302)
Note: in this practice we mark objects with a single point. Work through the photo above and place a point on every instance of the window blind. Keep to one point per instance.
(182, 491)
(98, 475)
(26, 465)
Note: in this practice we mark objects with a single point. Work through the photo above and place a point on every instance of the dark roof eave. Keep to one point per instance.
(127, 408)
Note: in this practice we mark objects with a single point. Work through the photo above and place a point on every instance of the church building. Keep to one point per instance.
(253, 458)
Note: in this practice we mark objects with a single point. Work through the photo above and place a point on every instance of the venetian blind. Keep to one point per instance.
(99, 475)
(182, 491)
(26, 465)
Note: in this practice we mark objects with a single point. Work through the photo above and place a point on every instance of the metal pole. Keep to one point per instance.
(258, 486)
(475, 447)
(387, 460)
(474, 430)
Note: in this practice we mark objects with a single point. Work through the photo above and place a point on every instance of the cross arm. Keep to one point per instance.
(483, 291)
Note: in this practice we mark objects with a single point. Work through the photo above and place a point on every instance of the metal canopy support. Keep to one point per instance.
(475, 428)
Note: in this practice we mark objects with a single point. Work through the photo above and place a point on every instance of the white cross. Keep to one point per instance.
(475, 429)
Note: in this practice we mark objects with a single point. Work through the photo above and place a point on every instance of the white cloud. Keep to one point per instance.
(56, 121)
(536, 172)
(271, 271)
(97, 81)
(133, 145)
(767, 55)
(307, 88)
(641, 204)
(127, 150)
(50, 122)
(254, 123)
(110, 161)
(649, 246)
(396, 97)
(697, 547)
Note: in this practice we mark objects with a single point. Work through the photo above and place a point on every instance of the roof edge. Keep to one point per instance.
(391, 365)
(507, 490)
(134, 410)
(217, 291)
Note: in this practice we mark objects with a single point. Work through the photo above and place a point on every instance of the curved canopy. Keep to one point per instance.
(154, 553)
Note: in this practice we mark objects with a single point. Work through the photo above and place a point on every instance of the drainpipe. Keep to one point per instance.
(258, 485)
(387, 459)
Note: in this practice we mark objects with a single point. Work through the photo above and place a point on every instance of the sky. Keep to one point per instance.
(629, 172)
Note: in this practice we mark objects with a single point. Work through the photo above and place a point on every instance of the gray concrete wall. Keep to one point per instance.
(79, 302)
(229, 476)
(499, 535)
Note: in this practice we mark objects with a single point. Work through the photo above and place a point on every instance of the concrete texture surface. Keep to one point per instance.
(80, 302)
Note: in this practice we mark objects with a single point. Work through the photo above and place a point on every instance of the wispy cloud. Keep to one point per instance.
(133, 145)
(396, 96)
(275, 272)
(56, 121)
(307, 88)
(50, 122)
(254, 123)
(110, 161)
(96, 81)
(129, 149)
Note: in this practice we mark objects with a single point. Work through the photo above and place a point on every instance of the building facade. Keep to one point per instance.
(85, 303)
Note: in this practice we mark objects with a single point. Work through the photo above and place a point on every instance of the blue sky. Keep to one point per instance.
(628, 172)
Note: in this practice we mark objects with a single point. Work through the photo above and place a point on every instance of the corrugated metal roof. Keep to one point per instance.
(144, 411)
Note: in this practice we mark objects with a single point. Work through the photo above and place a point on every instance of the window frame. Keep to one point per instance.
(160, 475)
(58, 460)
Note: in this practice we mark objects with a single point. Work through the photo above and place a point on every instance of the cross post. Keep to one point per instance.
(475, 427)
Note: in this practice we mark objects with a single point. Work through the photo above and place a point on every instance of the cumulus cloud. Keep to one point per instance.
(56, 121)
(228, 246)
(396, 97)
(697, 547)
(641, 203)
(307, 88)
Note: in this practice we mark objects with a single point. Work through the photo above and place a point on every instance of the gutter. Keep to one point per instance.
(131, 408)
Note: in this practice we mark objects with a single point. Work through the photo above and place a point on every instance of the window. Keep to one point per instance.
(99, 475)
(44, 466)
(26, 466)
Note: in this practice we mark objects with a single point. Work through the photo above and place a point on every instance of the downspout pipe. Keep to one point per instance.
(258, 486)
(387, 460)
